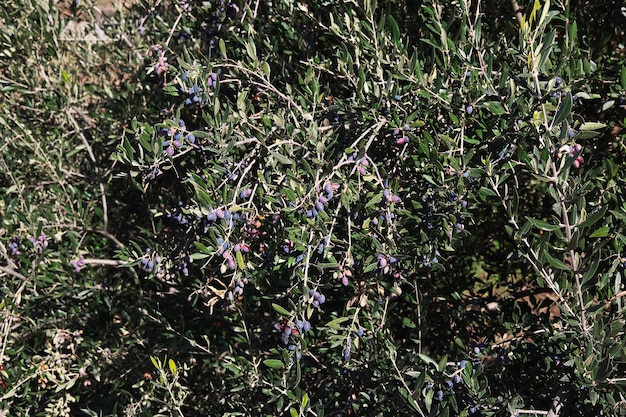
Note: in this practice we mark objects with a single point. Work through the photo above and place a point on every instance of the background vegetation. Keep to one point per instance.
(312, 208)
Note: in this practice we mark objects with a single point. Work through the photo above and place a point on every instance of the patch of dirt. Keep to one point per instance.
(103, 8)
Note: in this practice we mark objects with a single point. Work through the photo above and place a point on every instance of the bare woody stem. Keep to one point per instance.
(518, 11)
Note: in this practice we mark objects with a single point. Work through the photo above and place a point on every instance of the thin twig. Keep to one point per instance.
(10, 271)
(111, 237)
(104, 262)
(105, 210)
(536, 412)
(180, 15)
(573, 260)
(125, 39)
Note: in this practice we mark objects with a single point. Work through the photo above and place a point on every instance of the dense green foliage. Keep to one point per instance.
(312, 208)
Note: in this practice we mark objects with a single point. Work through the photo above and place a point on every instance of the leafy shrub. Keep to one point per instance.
(338, 189)
(64, 342)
